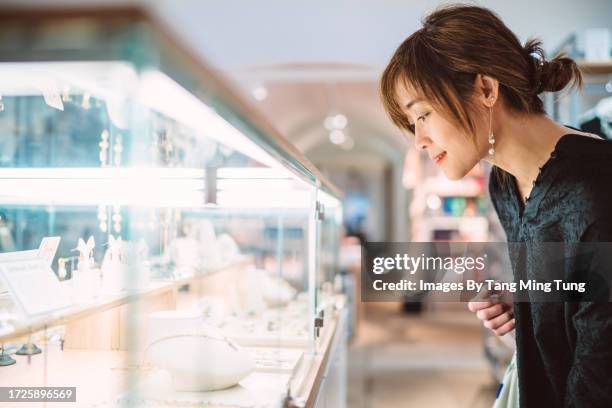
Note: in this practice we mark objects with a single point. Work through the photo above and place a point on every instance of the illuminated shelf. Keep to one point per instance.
(104, 303)
(151, 187)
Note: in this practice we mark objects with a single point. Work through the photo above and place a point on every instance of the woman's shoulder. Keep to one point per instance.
(588, 164)
(584, 145)
(584, 184)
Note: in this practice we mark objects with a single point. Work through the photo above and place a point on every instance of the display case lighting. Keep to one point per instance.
(130, 173)
(162, 94)
(251, 173)
(150, 187)
(118, 83)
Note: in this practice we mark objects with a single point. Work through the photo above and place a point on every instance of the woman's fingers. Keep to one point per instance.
(498, 317)
(498, 321)
(475, 306)
(505, 328)
(490, 312)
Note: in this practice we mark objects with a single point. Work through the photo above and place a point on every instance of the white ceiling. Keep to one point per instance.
(238, 33)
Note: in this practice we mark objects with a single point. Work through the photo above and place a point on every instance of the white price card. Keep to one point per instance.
(33, 285)
(48, 248)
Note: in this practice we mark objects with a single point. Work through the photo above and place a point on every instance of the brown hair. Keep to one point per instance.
(440, 62)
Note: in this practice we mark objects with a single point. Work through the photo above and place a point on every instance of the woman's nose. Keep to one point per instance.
(420, 141)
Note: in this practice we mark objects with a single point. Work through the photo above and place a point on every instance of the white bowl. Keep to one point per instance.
(205, 361)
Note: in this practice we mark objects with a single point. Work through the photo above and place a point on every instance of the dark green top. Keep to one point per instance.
(564, 349)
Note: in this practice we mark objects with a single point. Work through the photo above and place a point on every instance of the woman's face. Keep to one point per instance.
(447, 145)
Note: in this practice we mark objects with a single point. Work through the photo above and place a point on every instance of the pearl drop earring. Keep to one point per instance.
(491, 135)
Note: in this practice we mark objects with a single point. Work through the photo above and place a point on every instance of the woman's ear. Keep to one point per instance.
(487, 90)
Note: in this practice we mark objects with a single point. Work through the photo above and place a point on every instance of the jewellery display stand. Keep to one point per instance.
(5, 359)
(28, 349)
(206, 244)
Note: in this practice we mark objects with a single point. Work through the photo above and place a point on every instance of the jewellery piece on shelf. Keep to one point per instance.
(61, 268)
(213, 308)
(28, 349)
(103, 218)
(66, 93)
(104, 144)
(118, 149)
(86, 104)
(85, 250)
(166, 221)
(116, 218)
(115, 249)
(275, 290)
(167, 146)
(5, 359)
(113, 265)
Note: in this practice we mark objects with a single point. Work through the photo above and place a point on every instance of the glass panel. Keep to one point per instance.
(187, 243)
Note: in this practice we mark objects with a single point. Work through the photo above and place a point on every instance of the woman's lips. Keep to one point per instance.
(437, 159)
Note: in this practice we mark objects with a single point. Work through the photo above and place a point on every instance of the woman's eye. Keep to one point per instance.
(422, 117)
(412, 126)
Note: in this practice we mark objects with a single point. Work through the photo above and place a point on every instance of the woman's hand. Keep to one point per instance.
(496, 316)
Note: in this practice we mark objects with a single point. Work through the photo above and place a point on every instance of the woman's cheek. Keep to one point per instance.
(438, 127)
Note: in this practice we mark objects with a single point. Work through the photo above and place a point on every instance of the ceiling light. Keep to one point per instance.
(260, 93)
(338, 121)
(337, 137)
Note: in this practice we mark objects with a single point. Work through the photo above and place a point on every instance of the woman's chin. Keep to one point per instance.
(454, 173)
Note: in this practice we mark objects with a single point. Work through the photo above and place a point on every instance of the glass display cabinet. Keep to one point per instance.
(161, 245)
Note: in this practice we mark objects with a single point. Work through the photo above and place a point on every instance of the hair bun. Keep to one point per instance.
(550, 75)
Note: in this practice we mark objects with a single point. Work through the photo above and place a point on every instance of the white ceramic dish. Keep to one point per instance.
(197, 356)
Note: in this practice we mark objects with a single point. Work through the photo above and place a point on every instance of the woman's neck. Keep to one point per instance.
(523, 144)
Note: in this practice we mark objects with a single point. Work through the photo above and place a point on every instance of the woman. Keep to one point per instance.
(468, 90)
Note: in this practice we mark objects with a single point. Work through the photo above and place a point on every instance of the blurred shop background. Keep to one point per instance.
(312, 69)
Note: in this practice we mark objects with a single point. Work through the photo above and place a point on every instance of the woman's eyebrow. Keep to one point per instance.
(409, 104)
